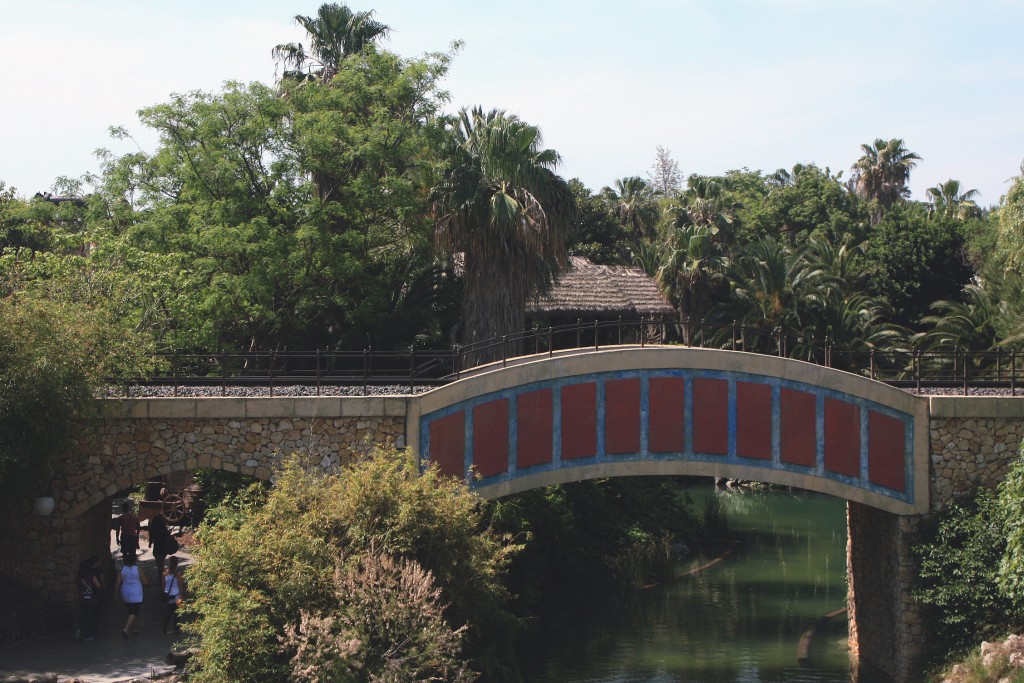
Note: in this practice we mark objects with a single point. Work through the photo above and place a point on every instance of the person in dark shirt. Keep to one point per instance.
(129, 529)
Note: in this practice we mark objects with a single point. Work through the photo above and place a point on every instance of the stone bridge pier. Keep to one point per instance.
(896, 458)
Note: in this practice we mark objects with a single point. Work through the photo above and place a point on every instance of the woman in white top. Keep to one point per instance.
(130, 584)
(174, 591)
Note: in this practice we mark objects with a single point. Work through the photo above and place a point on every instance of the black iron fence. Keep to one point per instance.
(957, 369)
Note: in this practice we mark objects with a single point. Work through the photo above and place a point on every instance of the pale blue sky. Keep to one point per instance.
(722, 84)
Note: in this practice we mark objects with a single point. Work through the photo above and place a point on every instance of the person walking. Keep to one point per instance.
(161, 541)
(129, 529)
(172, 593)
(90, 591)
(131, 584)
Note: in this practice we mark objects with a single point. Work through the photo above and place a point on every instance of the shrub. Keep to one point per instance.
(269, 577)
(959, 556)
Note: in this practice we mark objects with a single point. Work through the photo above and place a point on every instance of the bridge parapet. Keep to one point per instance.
(672, 410)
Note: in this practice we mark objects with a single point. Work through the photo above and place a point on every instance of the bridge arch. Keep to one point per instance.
(676, 410)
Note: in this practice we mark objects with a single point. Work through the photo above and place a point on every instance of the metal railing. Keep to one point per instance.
(957, 369)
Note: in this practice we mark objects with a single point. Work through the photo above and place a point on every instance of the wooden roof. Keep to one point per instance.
(588, 289)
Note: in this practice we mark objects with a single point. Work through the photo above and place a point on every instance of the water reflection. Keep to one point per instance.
(740, 620)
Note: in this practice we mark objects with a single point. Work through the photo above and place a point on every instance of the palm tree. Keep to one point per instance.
(502, 207)
(335, 33)
(947, 199)
(632, 202)
(970, 324)
(706, 201)
(882, 173)
(694, 273)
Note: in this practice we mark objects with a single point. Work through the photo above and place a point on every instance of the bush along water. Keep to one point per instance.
(377, 572)
(971, 576)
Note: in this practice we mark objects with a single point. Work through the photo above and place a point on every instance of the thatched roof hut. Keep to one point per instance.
(590, 291)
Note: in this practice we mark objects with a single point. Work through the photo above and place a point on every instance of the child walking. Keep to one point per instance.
(173, 592)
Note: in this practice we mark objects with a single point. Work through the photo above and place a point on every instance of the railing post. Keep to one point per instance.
(1013, 372)
(965, 371)
(223, 374)
(917, 369)
(733, 335)
(999, 372)
(412, 366)
(643, 332)
(457, 360)
(318, 352)
(828, 351)
(619, 326)
(778, 341)
(551, 341)
(872, 362)
(504, 354)
(366, 368)
(686, 331)
(595, 334)
(579, 332)
(270, 370)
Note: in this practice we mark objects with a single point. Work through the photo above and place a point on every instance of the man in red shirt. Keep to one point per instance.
(129, 529)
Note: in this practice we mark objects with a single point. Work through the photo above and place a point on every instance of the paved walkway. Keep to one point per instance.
(109, 658)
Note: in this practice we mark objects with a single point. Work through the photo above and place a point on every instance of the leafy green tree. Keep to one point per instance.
(633, 204)
(351, 558)
(54, 354)
(257, 256)
(500, 206)
(1011, 224)
(882, 173)
(336, 32)
(917, 260)
(595, 234)
(807, 201)
(950, 200)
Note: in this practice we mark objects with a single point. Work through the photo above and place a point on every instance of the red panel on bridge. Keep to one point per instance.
(886, 446)
(490, 437)
(667, 410)
(798, 428)
(754, 420)
(534, 445)
(448, 444)
(842, 437)
(622, 416)
(579, 421)
(711, 416)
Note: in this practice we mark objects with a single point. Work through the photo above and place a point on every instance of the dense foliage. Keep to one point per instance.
(375, 572)
(972, 565)
(53, 357)
(591, 537)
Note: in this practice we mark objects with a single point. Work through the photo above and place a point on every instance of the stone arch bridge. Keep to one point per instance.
(620, 411)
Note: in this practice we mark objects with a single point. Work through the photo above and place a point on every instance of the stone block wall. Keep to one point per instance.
(140, 440)
(886, 624)
(970, 452)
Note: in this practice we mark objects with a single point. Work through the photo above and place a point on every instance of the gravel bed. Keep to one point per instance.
(164, 391)
(285, 390)
(971, 391)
